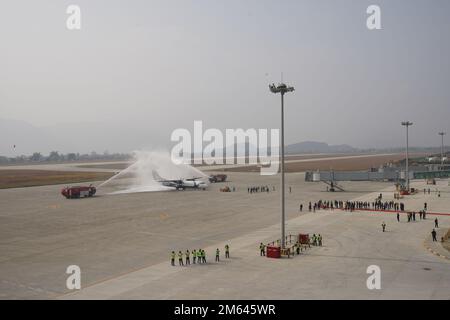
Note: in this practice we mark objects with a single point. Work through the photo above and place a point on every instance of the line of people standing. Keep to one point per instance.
(354, 205)
(257, 189)
(198, 256)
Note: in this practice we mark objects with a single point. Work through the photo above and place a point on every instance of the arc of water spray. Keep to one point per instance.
(146, 164)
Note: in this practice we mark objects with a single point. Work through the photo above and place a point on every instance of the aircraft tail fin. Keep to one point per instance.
(156, 176)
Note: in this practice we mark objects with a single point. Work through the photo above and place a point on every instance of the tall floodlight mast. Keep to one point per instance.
(442, 134)
(282, 89)
(407, 124)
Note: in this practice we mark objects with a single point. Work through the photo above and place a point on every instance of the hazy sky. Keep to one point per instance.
(137, 70)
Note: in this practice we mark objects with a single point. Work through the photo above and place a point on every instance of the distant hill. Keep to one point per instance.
(22, 138)
(318, 147)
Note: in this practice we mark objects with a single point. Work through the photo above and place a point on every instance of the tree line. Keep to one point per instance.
(55, 156)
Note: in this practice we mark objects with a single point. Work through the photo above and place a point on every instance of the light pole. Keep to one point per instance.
(282, 89)
(442, 134)
(407, 124)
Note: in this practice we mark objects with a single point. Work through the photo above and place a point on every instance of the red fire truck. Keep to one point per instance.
(76, 192)
(217, 178)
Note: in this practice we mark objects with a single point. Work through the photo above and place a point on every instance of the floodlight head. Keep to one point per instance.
(442, 133)
(281, 88)
(407, 123)
(273, 88)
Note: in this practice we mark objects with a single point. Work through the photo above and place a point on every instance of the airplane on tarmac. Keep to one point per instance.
(181, 184)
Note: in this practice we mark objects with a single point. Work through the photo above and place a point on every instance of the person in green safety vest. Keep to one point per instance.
(204, 256)
(262, 249)
(217, 255)
(194, 255)
(199, 256)
(188, 257)
(227, 251)
(180, 258)
(172, 258)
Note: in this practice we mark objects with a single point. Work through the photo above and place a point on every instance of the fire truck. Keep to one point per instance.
(218, 178)
(76, 192)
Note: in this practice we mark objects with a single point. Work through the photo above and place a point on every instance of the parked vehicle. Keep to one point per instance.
(217, 178)
(76, 192)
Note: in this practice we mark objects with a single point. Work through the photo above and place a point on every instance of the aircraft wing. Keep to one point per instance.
(194, 178)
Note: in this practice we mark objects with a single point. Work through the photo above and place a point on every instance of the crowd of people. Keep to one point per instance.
(375, 205)
(257, 189)
(198, 256)
(365, 205)
(355, 205)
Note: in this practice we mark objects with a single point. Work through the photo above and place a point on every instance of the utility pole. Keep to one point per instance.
(282, 89)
